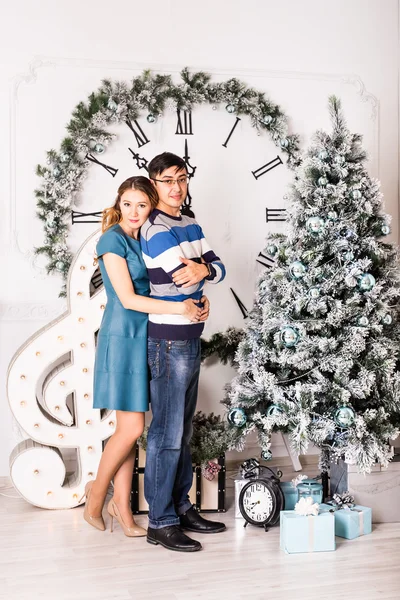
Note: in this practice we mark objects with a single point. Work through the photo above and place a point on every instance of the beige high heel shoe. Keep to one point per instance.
(135, 531)
(96, 522)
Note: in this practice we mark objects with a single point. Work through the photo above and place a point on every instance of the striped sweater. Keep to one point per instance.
(163, 240)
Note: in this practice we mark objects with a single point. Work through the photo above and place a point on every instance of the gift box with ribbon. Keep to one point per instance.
(307, 533)
(350, 521)
(290, 493)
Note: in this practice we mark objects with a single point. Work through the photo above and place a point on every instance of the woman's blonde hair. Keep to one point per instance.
(112, 216)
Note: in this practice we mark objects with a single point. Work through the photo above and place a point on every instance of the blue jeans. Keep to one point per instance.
(175, 369)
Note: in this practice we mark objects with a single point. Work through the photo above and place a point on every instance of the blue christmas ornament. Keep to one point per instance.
(266, 454)
(273, 410)
(112, 105)
(349, 255)
(344, 416)
(363, 321)
(267, 119)
(350, 234)
(230, 108)
(284, 143)
(385, 229)
(64, 157)
(387, 319)
(322, 181)
(272, 250)
(237, 417)
(151, 118)
(323, 155)
(356, 194)
(366, 282)
(289, 336)
(315, 225)
(297, 269)
(60, 265)
(314, 292)
(99, 148)
(56, 172)
(332, 215)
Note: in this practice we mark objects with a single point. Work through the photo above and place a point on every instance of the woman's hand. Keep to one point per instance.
(190, 310)
(206, 308)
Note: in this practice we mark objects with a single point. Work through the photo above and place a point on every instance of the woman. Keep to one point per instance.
(121, 372)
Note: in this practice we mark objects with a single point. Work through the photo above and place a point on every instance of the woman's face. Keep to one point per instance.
(135, 208)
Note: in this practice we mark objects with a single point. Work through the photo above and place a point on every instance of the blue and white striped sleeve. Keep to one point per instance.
(217, 267)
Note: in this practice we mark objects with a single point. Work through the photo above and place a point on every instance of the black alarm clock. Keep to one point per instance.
(261, 498)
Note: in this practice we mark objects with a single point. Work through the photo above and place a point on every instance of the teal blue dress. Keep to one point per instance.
(121, 380)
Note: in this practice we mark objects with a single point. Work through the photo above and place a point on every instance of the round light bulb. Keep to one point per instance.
(79, 294)
(36, 472)
(22, 377)
(49, 493)
(90, 474)
(83, 267)
(22, 403)
(111, 423)
(75, 496)
(60, 338)
(62, 383)
(102, 306)
(88, 422)
(86, 396)
(90, 448)
(83, 345)
(36, 425)
(60, 436)
(56, 408)
(37, 353)
(81, 319)
(85, 370)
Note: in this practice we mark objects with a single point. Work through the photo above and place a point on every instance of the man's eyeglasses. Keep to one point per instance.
(181, 181)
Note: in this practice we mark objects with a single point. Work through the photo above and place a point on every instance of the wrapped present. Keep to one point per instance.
(307, 533)
(350, 521)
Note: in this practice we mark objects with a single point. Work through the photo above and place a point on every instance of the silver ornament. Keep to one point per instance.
(322, 181)
(385, 229)
(267, 119)
(332, 215)
(151, 118)
(237, 417)
(366, 282)
(356, 194)
(99, 148)
(363, 321)
(230, 108)
(284, 143)
(323, 155)
(344, 416)
(297, 269)
(314, 292)
(289, 336)
(112, 105)
(387, 319)
(315, 225)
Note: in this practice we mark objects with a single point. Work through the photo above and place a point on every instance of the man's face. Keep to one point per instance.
(172, 187)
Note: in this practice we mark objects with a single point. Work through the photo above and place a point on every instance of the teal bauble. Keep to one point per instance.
(151, 118)
(273, 411)
(332, 215)
(314, 292)
(112, 105)
(323, 155)
(237, 417)
(349, 255)
(284, 143)
(99, 148)
(363, 321)
(356, 194)
(387, 319)
(289, 336)
(322, 181)
(385, 229)
(272, 250)
(297, 269)
(60, 265)
(56, 172)
(230, 108)
(315, 225)
(366, 282)
(344, 416)
(267, 119)
(64, 157)
(266, 454)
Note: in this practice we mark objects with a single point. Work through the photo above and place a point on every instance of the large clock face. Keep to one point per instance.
(237, 180)
(257, 504)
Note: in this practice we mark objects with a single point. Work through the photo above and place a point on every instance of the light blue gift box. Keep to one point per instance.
(351, 523)
(307, 534)
(290, 494)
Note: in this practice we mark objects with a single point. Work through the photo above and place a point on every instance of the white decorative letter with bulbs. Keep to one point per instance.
(50, 391)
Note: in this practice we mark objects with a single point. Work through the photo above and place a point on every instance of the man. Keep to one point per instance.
(179, 261)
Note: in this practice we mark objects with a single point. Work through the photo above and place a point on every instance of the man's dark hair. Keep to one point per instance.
(164, 161)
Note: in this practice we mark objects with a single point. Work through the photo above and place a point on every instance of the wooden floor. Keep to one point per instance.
(56, 555)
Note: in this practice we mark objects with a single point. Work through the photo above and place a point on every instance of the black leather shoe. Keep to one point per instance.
(173, 538)
(192, 521)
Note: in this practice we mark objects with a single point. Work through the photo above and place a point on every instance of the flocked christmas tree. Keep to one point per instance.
(320, 355)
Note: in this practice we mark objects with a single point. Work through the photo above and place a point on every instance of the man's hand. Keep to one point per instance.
(206, 308)
(191, 274)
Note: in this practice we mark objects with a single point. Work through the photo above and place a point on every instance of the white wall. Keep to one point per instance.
(298, 52)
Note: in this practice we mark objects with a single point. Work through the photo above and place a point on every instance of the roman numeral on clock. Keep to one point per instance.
(272, 164)
(138, 132)
(80, 217)
(184, 122)
(141, 162)
(261, 258)
(109, 169)
(225, 144)
(240, 304)
(275, 214)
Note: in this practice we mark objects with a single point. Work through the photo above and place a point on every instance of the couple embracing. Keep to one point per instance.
(154, 263)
